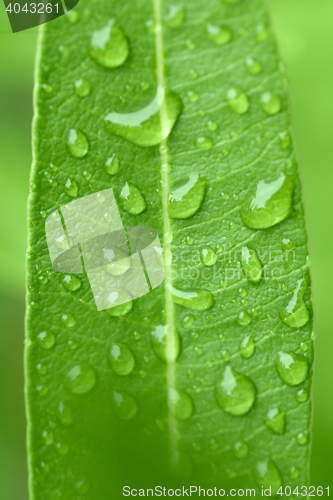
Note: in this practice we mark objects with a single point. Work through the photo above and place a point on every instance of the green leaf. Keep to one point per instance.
(205, 378)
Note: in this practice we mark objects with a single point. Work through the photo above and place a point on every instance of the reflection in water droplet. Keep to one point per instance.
(71, 188)
(68, 320)
(82, 485)
(62, 448)
(237, 100)
(188, 321)
(271, 103)
(42, 370)
(112, 164)
(82, 87)
(292, 368)
(251, 265)
(208, 256)
(45, 339)
(166, 343)
(121, 359)
(192, 96)
(294, 472)
(288, 245)
(211, 125)
(48, 437)
(175, 16)
(202, 300)
(71, 282)
(145, 127)
(302, 395)
(189, 240)
(296, 314)
(268, 476)
(285, 140)
(271, 204)
(118, 262)
(219, 35)
(246, 347)
(77, 143)
(254, 67)
(180, 404)
(225, 354)
(186, 200)
(124, 299)
(240, 449)
(236, 393)
(204, 142)
(262, 32)
(80, 379)
(109, 46)
(243, 318)
(64, 414)
(42, 390)
(124, 405)
(302, 438)
(131, 199)
(276, 421)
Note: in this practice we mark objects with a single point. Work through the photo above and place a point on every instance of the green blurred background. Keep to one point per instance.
(305, 35)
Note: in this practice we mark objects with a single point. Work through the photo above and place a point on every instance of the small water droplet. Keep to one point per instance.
(186, 200)
(240, 449)
(303, 346)
(276, 421)
(68, 320)
(71, 282)
(166, 343)
(268, 476)
(48, 437)
(188, 321)
(62, 448)
(247, 347)
(294, 472)
(208, 256)
(243, 318)
(302, 438)
(296, 314)
(87, 175)
(271, 103)
(292, 368)
(236, 393)
(219, 35)
(254, 67)
(42, 370)
(118, 262)
(77, 143)
(132, 200)
(46, 339)
(271, 204)
(125, 301)
(202, 300)
(198, 350)
(34, 305)
(262, 32)
(189, 240)
(180, 404)
(80, 379)
(288, 245)
(124, 405)
(237, 100)
(43, 280)
(64, 414)
(82, 87)
(192, 96)
(242, 292)
(47, 88)
(251, 265)
(82, 485)
(285, 140)
(211, 125)
(121, 359)
(144, 127)
(225, 354)
(42, 390)
(112, 164)
(71, 188)
(302, 395)
(175, 17)
(109, 46)
(190, 374)
(204, 142)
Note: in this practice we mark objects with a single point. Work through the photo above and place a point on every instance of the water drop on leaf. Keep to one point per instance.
(271, 103)
(112, 164)
(204, 142)
(124, 405)
(240, 449)
(188, 321)
(251, 265)
(219, 35)
(208, 256)
(124, 300)
(80, 379)
(71, 188)
(186, 200)
(302, 395)
(246, 347)
(276, 421)
(301, 438)
(292, 368)
(68, 320)
(267, 475)
(46, 339)
(121, 359)
(243, 318)
(202, 300)
(180, 404)
(285, 140)
(77, 143)
(175, 17)
(254, 67)
(166, 343)
(64, 414)
(132, 200)
(237, 100)
(109, 46)
(71, 282)
(236, 393)
(296, 314)
(82, 87)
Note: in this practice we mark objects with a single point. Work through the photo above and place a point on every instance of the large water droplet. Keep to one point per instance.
(292, 368)
(124, 405)
(121, 359)
(240, 449)
(202, 300)
(236, 393)
(180, 404)
(271, 103)
(82, 87)
(131, 199)
(64, 414)
(166, 343)
(188, 321)
(175, 17)
(68, 320)
(71, 188)
(80, 379)
(276, 421)
(267, 475)
(237, 100)
(77, 143)
(251, 265)
(296, 313)
(45, 339)
(219, 35)
(208, 256)
(271, 204)
(109, 46)
(71, 282)
(243, 318)
(150, 125)
(186, 200)
(254, 67)
(246, 347)
(112, 164)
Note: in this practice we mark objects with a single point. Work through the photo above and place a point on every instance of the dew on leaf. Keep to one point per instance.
(301, 438)
(109, 46)
(189, 240)
(243, 318)
(34, 305)
(288, 245)
(62, 448)
(42, 390)
(46, 339)
(112, 164)
(240, 449)
(219, 35)
(275, 421)
(251, 265)
(77, 143)
(122, 301)
(187, 321)
(64, 414)
(121, 359)
(175, 17)
(211, 125)
(204, 142)
(296, 314)
(236, 393)
(68, 320)
(190, 44)
(71, 282)
(71, 188)
(43, 280)
(124, 405)
(208, 256)
(237, 100)
(80, 379)
(192, 96)
(82, 485)
(48, 437)
(202, 300)
(268, 476)
(166, 343)
(253, 66)
(118, 262)
(285, 140)
(186, 200)
(42, 370)
(246, 347)
(198, 350)
(225, 354)
(271, 103)
(294, 472)
(292, 368)
(302, 395)
(180, 404)
(132, 200)
(262, 32)
(82, 87)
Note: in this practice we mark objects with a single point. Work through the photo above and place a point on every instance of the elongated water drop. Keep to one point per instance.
(238, 100)
(268, 476)
(246, 347)
(219, 35)
(121, 359)
(82, 87)
(240, 449)
(229, 2)
(180, 404)
(251, 265)
(302, 395)
(236, 393)
(77, 143)
(208, 256)
(292, 368)
(146, 127)
(64, 414)
(271, 103)
(109, 46)
(294, 472)
(186, 200)
(175, 17)
(46, 339)
(112, 164)
(296, 314)
(131, 199)
(254, 67)
(202, 300)
(166, 343)
(80, 379)
(276, 421)
(188, 321)
(71, 282)
(124, 405)
(271, 204)
(211, 125)
(71, 188)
